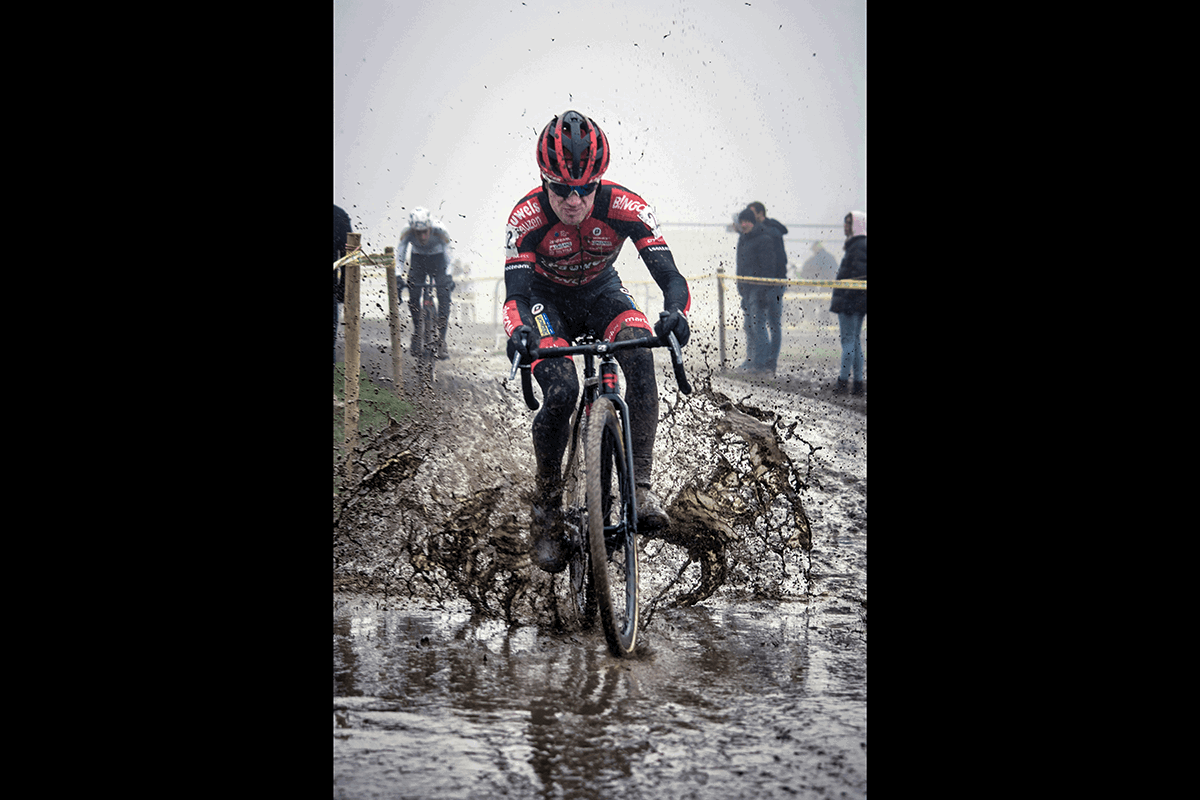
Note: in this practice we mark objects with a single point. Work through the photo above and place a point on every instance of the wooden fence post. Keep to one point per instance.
(721, 310)
(394, 319)
(353, 353)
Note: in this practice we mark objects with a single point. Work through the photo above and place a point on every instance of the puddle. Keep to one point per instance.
(726, 700)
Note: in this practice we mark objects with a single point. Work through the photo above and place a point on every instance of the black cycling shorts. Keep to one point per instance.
(602, 308)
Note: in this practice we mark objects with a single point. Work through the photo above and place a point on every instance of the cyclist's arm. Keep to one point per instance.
(518, 277)
(442, 236)
(631, 216)
(525, 228)
(661, 264)
(400, 255)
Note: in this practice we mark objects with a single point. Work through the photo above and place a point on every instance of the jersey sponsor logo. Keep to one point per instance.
(630, 207)
(629, 319)
(624, 202)
(512, 317)
(527, 210)
(524, 218)
(543, 325)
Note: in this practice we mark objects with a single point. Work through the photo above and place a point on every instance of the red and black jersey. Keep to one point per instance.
(538, 243)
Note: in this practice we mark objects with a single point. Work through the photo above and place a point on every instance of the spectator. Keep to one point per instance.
(820, 266)
(761, 218)
(774, 305)
(758, 257)
(851, 304)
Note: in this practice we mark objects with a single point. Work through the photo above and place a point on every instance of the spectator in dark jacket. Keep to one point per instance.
(758, 256)
(851, 304)
(761, 218)
(774, 309)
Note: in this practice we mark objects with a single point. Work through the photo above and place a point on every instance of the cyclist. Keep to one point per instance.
(430, 256)
(561, 241)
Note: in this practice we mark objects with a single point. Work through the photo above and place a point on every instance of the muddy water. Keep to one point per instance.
(727, 700)
(759, 690)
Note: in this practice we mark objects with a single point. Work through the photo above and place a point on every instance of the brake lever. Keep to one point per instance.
(516, 361)
(526, 380)
(677, 364)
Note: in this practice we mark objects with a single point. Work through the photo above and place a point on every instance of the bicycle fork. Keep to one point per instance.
(609, 386)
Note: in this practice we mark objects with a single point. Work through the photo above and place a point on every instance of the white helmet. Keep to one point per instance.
(419, 219)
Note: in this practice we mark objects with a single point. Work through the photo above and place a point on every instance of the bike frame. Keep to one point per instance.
(603, 381)
(607, 384)
(430, 310)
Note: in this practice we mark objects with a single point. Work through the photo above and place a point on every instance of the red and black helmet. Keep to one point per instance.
(572, 150)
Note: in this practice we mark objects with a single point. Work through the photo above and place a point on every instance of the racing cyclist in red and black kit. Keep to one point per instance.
(561, 241)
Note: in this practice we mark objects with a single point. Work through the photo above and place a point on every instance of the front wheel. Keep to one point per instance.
(578, 611)
(612, 524)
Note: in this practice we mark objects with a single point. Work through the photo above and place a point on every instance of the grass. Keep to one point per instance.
(375, 404)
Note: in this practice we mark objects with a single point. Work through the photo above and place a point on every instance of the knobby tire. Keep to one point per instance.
(578, 611)
(610, 499)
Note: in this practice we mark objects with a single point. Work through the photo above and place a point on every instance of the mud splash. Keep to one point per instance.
(453, 679)
(441, 513)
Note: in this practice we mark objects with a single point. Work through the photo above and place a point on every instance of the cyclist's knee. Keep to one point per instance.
(630, 326)
(560, 385)
(633, 332)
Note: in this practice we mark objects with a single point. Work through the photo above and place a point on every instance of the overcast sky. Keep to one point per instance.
(708, 104)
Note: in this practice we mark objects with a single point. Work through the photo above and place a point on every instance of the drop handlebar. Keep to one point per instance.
(596, 349)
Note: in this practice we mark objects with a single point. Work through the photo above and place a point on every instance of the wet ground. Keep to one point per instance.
(452, 678)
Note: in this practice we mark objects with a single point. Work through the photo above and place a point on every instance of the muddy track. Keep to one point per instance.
(440, 513)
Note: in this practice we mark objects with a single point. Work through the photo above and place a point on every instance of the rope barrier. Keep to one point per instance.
(387, 262)
(379, 260)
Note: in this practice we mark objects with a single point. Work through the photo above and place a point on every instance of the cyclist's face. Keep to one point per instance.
(572, 209)
(423, 236)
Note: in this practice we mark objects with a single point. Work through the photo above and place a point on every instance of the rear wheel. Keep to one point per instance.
(612, 523)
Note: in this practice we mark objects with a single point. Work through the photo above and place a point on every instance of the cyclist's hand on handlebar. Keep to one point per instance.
(521, 341)
(673, 322)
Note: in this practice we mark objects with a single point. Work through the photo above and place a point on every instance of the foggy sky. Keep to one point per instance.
(708, 104)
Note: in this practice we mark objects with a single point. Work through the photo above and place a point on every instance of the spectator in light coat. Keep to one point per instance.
(851, 304)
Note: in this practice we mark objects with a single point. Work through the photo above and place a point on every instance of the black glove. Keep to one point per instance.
(673, 322)
(522, 342)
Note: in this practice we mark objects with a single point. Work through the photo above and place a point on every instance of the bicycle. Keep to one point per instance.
(426, 335)
(597, 471)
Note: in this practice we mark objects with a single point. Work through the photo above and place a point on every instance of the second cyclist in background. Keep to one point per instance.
(430, 256)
